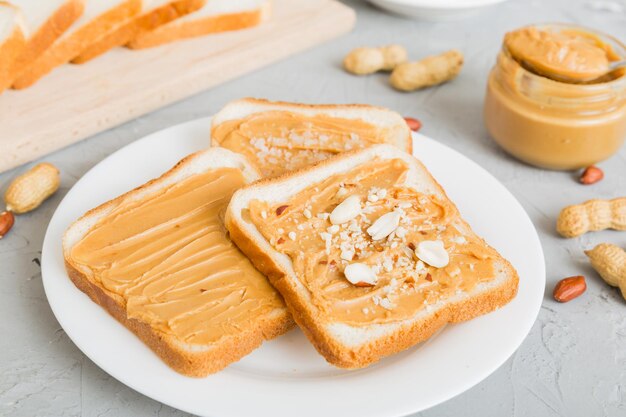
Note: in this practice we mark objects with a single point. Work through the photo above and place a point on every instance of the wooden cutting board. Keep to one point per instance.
(77, 101)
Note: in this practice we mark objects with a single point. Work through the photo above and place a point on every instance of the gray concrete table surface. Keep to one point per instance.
(573, 362)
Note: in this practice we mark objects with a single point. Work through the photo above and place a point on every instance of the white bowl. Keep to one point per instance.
(435, 10)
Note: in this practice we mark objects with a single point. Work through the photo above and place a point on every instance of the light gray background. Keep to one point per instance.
(573, 363)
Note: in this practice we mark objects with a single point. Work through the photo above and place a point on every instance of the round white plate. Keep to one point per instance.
(435, 10)
(286, 376)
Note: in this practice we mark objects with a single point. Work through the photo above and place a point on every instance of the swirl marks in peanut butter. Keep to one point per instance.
(168, 258)
(572, 55)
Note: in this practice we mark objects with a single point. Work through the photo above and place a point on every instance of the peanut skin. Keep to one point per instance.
(569, 288)
(6, 222)
(592, 215)
(430, 71)
(591, 175)
(363, 61)
(30, 189)
(610, 262)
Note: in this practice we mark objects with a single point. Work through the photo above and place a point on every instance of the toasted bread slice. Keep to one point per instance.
(154, 13)
(216, 16)
(279, 137)
(12, 42)
(45, 22)
(391, 297)
(159, 260)
(99, 17)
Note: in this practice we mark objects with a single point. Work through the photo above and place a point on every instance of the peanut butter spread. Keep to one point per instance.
(168, 258)
(570, 54)
(540, 106)
(279, 141)
(302, 228)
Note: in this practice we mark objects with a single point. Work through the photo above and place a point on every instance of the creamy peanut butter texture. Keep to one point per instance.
(320, 251)
(565, 122)
(168, 257)
(574, 54)
(280, 141)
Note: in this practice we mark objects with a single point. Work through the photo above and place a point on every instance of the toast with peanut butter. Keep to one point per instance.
(369, 253)
(159, 260)
(279, 137)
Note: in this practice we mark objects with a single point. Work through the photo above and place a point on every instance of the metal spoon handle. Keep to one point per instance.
(617, 65)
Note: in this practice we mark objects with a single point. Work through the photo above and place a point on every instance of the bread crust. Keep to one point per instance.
(67, 49)
(13, 46)
(143, 23)
(407, 336)
(54, 27)
(172, 352)
(329, 107)
(194, 364)
(213, 24)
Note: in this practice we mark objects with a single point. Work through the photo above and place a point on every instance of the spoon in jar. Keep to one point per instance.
(602, 74)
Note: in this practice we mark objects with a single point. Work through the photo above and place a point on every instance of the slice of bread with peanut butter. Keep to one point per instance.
(159, 260)
(279, 137)
(369, 253)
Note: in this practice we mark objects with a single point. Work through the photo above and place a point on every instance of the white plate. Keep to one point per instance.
(286, 377)
(435, 10)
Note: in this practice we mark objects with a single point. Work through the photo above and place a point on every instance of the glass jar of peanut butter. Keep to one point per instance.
(572, 119)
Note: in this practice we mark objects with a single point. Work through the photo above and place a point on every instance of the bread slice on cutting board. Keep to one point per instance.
(369, 253)
(12, 41)
(159, 260)
(216, 16)
(45, 22)
(278, 137)
(99, 17)
(154, 13)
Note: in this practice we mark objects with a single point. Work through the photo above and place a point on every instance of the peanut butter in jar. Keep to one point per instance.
(573, 119)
